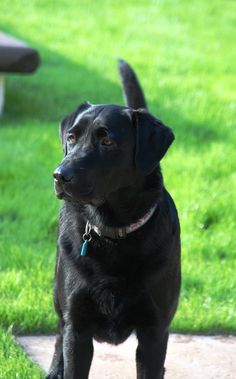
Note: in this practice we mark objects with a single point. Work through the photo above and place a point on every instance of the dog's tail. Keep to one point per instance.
(132, 90)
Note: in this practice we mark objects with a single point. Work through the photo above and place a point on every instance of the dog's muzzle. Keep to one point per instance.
(61, 176)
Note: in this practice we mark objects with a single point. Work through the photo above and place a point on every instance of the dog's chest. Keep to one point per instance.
(108, 292)
(113, 316)
(110, 278)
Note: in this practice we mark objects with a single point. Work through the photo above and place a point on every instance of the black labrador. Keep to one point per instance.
(118, 261)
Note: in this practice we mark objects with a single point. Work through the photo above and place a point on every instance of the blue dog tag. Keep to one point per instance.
(86, 237)
(84, 248)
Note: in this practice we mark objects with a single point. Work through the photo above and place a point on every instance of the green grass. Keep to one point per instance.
(13, 361)
(183, 51)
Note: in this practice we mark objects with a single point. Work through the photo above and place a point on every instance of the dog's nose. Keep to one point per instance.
(62, 175)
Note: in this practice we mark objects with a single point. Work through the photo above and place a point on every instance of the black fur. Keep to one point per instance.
(133, 93)
(110, 176)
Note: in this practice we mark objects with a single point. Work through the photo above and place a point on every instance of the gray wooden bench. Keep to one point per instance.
(15, 57)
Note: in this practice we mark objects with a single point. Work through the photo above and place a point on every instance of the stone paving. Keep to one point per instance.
(188, 357)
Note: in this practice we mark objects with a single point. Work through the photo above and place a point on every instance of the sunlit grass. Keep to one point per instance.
(13, 361)
(184, 55)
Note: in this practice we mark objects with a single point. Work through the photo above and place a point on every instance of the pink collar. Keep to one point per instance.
(122, 232)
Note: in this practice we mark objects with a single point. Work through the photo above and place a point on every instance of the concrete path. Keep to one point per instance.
(187, 358)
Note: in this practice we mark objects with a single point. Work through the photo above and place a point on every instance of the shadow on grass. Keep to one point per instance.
(60, 85)
(55, 90)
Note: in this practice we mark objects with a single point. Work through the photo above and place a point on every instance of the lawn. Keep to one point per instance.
(183, 52)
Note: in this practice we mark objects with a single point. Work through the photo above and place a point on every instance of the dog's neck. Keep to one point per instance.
(127, 205)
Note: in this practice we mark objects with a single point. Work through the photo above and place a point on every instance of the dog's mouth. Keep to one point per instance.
(79, 197)
(60, 195)
(65, 196)
(59, 191)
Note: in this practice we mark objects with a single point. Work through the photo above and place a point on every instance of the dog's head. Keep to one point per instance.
(107, 147)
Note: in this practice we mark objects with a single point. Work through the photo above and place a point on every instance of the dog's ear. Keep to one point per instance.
(68, 121)
(153, 139)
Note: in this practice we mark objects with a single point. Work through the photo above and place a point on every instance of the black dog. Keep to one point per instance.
(118, 262)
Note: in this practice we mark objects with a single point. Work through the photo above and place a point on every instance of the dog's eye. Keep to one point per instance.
(71, 138)
(105, 141)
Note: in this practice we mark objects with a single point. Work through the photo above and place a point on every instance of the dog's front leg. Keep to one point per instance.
(77, 353)
(56, 368)
(150, 354)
